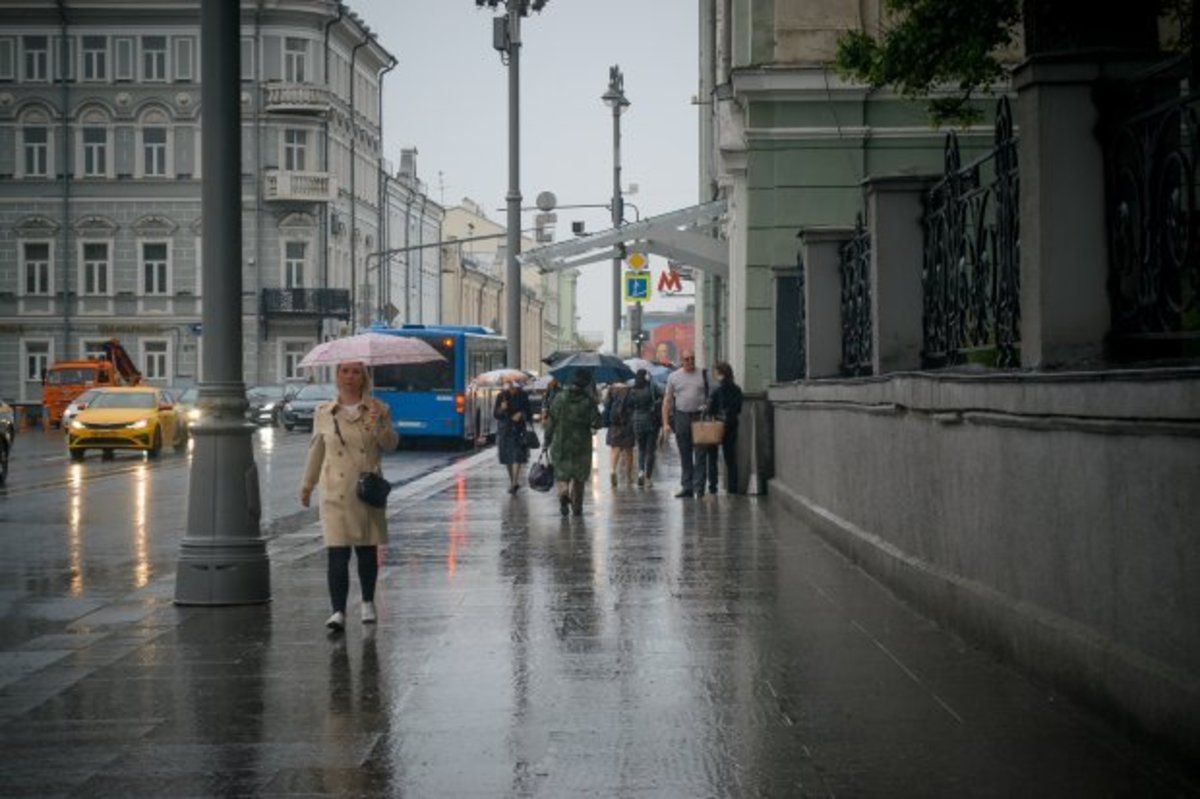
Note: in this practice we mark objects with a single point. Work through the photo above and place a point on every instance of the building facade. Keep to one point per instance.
(473, 286)
(100, 182)
(410, 270)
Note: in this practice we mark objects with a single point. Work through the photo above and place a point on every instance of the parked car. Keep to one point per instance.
(298, 411)
(76, 405)
(185, 405)
(265, 402)
(139, 418)
(8, 433)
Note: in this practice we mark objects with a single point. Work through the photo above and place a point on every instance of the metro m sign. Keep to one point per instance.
(669, 281)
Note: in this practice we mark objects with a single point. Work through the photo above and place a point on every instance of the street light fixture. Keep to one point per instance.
(615, 99)
(506, 38)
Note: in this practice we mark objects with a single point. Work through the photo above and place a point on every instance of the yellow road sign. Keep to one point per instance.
(637, 261)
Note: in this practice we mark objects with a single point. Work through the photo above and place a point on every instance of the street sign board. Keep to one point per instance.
(637, 261)
(637, 286)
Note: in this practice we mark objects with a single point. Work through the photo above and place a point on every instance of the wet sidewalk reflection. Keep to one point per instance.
(650, 647)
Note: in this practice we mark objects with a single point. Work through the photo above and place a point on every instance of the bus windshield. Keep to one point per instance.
(66, 377)
(434, 377)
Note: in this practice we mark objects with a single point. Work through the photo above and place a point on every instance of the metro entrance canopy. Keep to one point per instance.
(673, 235)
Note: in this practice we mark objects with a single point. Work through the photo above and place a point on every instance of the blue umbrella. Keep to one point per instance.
(603, 368)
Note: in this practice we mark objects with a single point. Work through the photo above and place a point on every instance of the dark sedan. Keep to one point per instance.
(298, 411)
(264, 403)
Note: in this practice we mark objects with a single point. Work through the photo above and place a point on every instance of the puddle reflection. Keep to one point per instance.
(141, 547)
(75, 526)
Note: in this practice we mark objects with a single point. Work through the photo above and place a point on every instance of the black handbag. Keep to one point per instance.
(531, 440)
(373, 489)
(541, 474)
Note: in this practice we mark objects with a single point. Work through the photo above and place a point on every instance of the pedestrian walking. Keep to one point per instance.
(513, 417)
(682, 405)
(620, 439)
(573, 420)
(724, 405)
(644, 399)
(553, 387)
(349, 434)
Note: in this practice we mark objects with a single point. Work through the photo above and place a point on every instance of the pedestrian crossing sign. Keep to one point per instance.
(637, 286)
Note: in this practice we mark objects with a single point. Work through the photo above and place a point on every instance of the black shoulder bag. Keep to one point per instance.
(372, 487)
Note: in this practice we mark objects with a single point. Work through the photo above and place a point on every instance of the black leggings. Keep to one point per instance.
(339, 574)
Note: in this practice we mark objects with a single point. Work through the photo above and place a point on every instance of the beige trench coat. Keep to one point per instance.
(346, 519)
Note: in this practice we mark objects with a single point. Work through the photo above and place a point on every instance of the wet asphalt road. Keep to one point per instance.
(651, 648)
(76, 534)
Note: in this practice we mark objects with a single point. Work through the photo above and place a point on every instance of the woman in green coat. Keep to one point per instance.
(573, 419)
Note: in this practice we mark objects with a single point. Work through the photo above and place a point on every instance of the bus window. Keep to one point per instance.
(436, 376)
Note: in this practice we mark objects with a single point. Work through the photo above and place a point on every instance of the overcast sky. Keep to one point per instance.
(448, 97)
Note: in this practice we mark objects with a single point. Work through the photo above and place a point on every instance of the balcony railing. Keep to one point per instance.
(306, 302)
(311, 187)
(295, 97)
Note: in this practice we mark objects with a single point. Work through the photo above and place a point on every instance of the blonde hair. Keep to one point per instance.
(368, 383)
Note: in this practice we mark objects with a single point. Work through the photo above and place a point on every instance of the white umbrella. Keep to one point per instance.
(373, 349)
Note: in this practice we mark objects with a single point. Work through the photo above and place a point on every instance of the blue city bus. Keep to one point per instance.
(433, 400)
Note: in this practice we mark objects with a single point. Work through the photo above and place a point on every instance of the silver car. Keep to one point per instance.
(77, 405)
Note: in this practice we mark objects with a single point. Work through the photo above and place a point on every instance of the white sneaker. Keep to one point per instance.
(368, 613)
(337, 622)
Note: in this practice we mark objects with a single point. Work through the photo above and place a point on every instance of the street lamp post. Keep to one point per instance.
(615, 99)
(506, 38)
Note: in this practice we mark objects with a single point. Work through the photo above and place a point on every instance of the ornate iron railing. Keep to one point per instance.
(801, 319)
(306, 302)
(971, 272)
(855, 269)
(1151, 198)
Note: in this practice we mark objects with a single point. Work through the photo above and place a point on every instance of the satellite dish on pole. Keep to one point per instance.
(546, 201)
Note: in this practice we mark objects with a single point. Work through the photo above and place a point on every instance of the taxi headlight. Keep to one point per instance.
(140, 424)
(77, 425)
(270, 406)
(193, 414)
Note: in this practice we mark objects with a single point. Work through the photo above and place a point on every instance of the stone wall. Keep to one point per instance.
(1051, 518)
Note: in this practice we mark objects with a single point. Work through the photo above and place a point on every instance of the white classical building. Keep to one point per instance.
(100, 175)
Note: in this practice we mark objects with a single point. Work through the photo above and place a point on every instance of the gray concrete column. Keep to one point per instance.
(1064, 249)
(223, 556)
(897, 253)
(821, 248)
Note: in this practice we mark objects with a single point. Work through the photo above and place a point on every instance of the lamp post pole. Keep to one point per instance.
(223, 556)
(506, 38)
(615, 99)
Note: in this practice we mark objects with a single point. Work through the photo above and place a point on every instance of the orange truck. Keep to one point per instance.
(66, 380)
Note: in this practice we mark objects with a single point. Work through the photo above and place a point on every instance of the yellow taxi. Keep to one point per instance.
(138, 418)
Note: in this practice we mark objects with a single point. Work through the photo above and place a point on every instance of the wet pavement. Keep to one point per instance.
(652, 647)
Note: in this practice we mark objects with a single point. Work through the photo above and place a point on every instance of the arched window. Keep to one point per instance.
(155, 145)
(94, 156)
(35, 144)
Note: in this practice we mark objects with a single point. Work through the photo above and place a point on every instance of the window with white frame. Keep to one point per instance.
(95, 152)
(295, 254)
(95, 58)
(154, 152)
(183, 58)
(154, 58)
(155, 267)
(295, 60)
(156, 358)
(36, 58)
(123, 59)
(8, 58)
(295, 149)
(247, 61)
(95, 269)
(93, 349)
(37, 358)
(35, 151)
(293, 353)
(35, 269)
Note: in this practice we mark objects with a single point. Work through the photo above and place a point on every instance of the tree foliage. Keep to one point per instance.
(935, 43)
